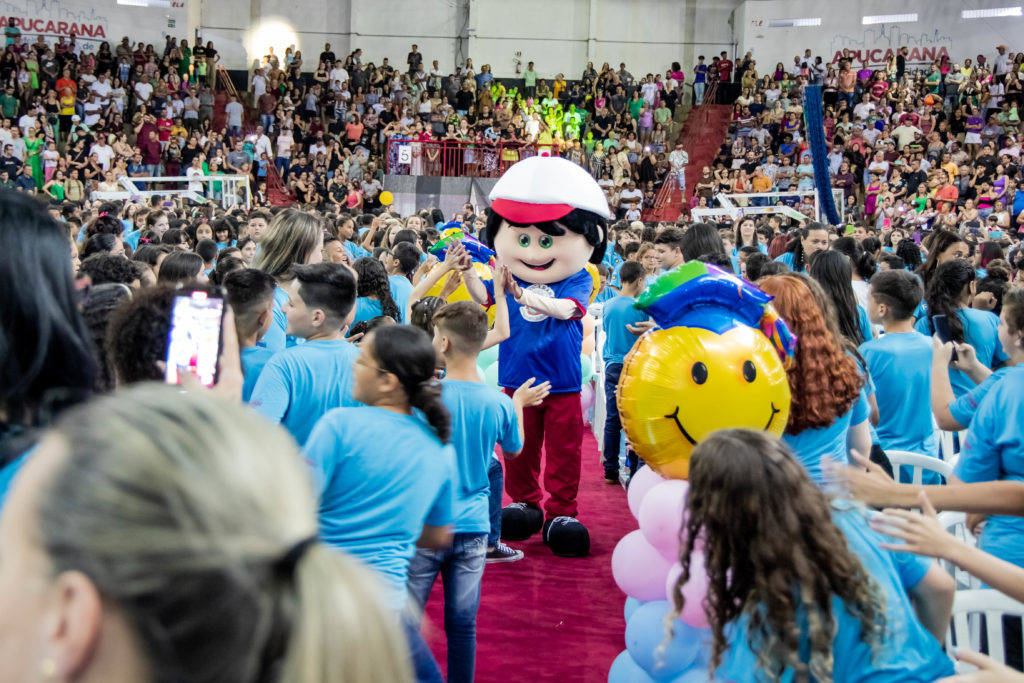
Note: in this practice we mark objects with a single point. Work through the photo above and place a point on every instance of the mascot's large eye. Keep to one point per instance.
(545, 241)
(749, 371)
(524, 240)
(699, 372)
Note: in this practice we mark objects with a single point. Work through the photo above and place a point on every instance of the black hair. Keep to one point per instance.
(150, 253)
(701, 238)
(365, 327)
(909, 253)
(436, 216)
(997, 286)
(871, 244)
(105, 225)
(98, 306)
(247, 289)
(630, 249)
(373, 282)
(45, 354)
(796, 245)
(207, 250)
(938, 242)
(894, 262)
(407, 256)
(773, 268)
(861, 260)
(327, 286)
(421, 313)
(104, 268)
(225, 266)
(174, 236)
(749, 251)
(717, 259)
(223, 224)
(898, 289)
(405, 235)
(631, 271)
(181, 266)
(587, 223)
(755, 265)
(833, 272)
(944, 293)
(673, 237)
(408, 353)
(102, 243)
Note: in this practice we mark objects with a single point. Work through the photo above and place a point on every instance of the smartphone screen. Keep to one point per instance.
(941, 325)
(194, 339)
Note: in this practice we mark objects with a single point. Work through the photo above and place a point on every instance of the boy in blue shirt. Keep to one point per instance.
(900, 365)
(250, 294)
(301, 383)
(480, 417)
(622, 323)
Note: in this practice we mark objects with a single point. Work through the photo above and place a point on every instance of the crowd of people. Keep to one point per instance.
(130, 531)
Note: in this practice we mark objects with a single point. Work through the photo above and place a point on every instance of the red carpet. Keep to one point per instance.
(547, 618)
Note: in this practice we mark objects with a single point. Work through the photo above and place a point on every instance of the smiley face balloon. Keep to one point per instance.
(717, 362)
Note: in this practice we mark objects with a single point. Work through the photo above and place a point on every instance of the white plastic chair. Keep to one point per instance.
(956, 524)
(950, 451)
(919, 463)
(965, 632)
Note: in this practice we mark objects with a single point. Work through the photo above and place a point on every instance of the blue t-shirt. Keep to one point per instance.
(788, 258)
(132, 238)
(963, 408)
(367, 309)
(276, 339)
(605, 295)
(356, 251)
(900, 365)
(299, 385)
(8, 473)
(380, 476)
(864, 323)
(253, 360)
(401, 288)
(481, 418)
(541, 346)
(981, 332)
(812, 445)
(700, 73)
(618, 341)
(906, 653)
(735, 256)
(994, 451)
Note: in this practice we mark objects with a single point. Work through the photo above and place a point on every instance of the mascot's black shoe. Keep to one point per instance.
(519, 521)
(567, 537)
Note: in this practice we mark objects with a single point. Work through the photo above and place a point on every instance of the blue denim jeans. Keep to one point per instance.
(267, 121)
(496, 477)
(424, 667)
(612, 423)
(462, 568)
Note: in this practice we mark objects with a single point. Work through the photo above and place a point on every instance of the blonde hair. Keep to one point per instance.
(184, 521)
(291, 237)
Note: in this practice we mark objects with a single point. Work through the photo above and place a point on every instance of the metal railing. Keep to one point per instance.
(457, 159)
(227, 190)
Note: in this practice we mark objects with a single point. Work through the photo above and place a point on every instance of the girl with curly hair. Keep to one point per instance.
(374, 292)
(803, 591)
(829, 412)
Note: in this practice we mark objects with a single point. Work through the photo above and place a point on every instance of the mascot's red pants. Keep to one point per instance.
(557, 426)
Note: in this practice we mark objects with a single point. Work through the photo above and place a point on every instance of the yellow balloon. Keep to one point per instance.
(386, 198)
(681, 384)
(592, 269)
(461, 293)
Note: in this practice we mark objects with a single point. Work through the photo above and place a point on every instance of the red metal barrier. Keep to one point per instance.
(457, 159)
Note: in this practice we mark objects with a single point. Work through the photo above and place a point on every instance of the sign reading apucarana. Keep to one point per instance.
(54, 18)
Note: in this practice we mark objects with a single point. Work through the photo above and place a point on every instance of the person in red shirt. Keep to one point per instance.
(164, 125)
(945, 194)
(725, 78)
(151, 149)
(65, 81)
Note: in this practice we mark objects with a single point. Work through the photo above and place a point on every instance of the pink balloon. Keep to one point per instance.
(694, 591)
(643, 481)
(661, 516)
(587, 398)
(639, 570)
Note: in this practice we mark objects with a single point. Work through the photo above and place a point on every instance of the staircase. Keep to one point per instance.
(702, 134)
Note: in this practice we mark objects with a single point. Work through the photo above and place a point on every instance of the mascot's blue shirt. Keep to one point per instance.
(544, 347)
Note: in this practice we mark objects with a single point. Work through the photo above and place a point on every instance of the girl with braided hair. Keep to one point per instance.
(802, 592)
(949, 293)
(374, 291)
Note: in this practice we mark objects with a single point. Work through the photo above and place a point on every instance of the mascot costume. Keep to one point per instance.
(547, 222)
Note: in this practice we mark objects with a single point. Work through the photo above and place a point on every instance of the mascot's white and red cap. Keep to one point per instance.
(542, 189)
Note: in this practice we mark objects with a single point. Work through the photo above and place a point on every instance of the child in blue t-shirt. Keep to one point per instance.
(622, 323)
(900, 364)
(299, 384)
(480, 417)
(383, 474)
(250, 294)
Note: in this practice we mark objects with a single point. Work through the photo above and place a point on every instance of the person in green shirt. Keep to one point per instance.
(9, 103)
(636, 105)
(934, 80)
(530, 80)
(662, 114)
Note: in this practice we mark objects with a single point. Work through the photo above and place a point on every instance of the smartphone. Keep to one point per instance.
(194, 340)
(941, 325)
(850, 229)
(169, 204)
(995, 234)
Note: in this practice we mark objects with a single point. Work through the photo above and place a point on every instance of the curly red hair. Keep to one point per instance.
(823, 380)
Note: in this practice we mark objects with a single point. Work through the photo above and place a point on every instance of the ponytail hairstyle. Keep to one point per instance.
(908, 250)
(216, 579)
(833, 272)
(796, 245)
(407, 353)
(937, 243)
(861, 261)
(945, 295)
(373, 282)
